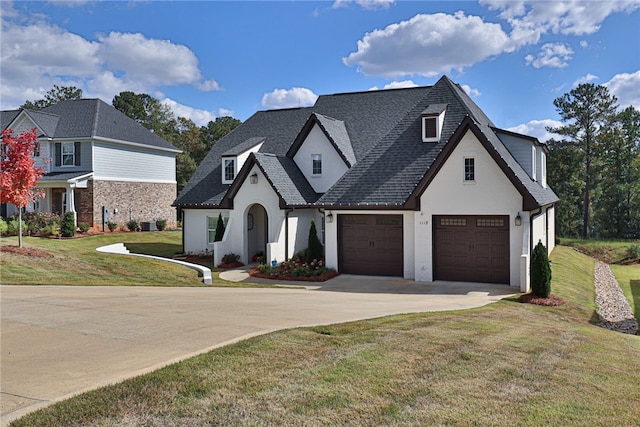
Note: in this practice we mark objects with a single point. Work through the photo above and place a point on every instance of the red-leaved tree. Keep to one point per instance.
(19, 172)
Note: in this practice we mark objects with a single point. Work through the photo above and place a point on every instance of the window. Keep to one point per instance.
(68, 154)
(533, 163)
(430, 128)
(36, 149)
(229, 170)
(469, 169)
(316, 168)
(212, 222)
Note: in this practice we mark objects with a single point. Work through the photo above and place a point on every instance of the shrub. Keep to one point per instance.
(133, 225)
(230, 258)
(219, 229)
(112, 226)
(3, 227)
(161, 224)
(42, 222)
(51, 230)
(12, 227)
(540, 272)
(633, 251)
(84, 227)
(68, 227)
(314, 247)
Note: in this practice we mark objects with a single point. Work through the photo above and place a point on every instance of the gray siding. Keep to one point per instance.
(520, 149)
(85, 159)
(127, 163)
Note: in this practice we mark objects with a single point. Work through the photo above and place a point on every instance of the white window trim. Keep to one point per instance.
(224, 169)
(439, 120)
(313, 159)
(72, 154)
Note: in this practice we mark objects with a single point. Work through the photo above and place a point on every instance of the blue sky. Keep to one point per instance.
(210, 58)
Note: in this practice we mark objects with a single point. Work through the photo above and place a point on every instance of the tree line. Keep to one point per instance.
(194, 141)
(595, 166)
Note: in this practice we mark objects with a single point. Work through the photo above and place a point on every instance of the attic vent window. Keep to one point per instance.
(228, 170)
(432, 120)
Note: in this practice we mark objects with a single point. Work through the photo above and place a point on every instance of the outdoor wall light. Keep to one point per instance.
(518, 220)
(253, 178)
(329, 218)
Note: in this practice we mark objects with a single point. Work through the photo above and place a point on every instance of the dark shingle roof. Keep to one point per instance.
(241, 148)
(286, 179)
(8, 116)
(89, 118)
(379, 130)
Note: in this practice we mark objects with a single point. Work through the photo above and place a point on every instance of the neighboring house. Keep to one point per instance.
(416, 183)
(99, 163)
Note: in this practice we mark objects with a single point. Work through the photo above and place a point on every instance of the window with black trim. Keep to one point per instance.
(469, 169)
(430, 127)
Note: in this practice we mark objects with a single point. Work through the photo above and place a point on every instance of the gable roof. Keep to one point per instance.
(390, 166)
(334, 130)
(90, 118)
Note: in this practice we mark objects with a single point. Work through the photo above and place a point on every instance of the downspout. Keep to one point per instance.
(286, 233)
(532, 216)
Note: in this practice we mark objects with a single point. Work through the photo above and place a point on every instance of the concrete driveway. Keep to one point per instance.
(59, 341)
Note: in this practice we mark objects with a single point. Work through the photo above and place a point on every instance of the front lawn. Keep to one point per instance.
(504, 364)
(76, 262)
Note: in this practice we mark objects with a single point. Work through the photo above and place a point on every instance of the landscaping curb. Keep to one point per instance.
(121, 249)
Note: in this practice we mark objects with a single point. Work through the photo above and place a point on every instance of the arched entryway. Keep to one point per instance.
(257, 226)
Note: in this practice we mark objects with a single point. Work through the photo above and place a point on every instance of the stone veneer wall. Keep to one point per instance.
(142, 201)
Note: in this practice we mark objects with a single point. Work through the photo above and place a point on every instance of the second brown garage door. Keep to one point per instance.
(471, 248)
(370, 245)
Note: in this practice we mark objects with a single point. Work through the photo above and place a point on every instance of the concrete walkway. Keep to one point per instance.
(58, 341)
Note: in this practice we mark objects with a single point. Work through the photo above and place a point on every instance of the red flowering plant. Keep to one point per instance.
(297, 267)
(19, 175)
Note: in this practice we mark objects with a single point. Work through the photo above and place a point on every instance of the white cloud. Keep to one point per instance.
(584, 44)
(537, 129)
(224, 112)
(294, 97)
(396, 85)
(553, 55)
(199, 117)
(585, 79)
(626, 87)
(37, 55)
(531, 19)
(365, 4)
(428, 45)
(471, 91)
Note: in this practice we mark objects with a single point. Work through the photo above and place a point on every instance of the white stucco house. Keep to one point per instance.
(99, 164)
(416, 183)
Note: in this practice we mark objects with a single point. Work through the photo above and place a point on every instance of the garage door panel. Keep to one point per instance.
(471, 248)
(371, 244)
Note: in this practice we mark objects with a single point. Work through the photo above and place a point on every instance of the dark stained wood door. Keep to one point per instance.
(471, 248)
(370, 245)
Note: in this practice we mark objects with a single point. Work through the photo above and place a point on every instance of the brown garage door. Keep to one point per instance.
(471, 248)
(370, 245)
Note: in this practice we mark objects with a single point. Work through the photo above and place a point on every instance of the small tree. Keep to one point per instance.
(68, 227)
(314, 247)
(19, 175)
(219, 229)
(540, 272)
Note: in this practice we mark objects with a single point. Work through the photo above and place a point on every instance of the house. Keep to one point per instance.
(99, 163)
(416, 183)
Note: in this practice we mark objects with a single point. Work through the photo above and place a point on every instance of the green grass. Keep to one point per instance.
(504, 364)
(76, 262)
(628, 277)
(608, 251)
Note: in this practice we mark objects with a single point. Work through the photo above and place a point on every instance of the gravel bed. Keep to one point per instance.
(614, 310)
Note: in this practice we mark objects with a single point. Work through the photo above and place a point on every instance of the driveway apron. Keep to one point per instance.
(58, 341)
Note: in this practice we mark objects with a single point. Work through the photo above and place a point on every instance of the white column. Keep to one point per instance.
(71, 206)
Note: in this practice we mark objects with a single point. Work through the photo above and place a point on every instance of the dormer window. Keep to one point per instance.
(432, 120)
(228, 170)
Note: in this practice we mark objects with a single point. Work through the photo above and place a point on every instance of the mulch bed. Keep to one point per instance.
(30, 252)
(254, 272)
(550, 301)
(230, 265)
